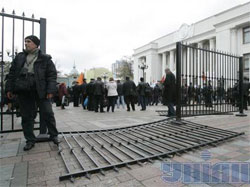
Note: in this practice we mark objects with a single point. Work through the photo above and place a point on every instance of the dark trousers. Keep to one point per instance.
(130, 99)
(28, 107)
(76, 100)
(91, 103)
(171, 110)
(98, 101)
(111, 102)
(143, 102)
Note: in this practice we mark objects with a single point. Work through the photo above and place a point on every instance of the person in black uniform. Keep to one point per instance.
(129, 91)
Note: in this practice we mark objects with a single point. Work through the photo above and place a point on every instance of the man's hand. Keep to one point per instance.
(49, 96)
(10, 95)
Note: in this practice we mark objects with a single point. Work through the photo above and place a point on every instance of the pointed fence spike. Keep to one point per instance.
(13, 12)
(33, 16)
(3, 10)
(23, 14)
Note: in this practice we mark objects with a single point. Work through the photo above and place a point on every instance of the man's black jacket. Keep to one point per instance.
(44, 71)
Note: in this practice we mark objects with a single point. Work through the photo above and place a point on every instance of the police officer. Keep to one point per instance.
(32, 77)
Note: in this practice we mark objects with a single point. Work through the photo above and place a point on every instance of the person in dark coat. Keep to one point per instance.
(120, 99)
(90, 93)
(129, 91)
(62, 92)
(99, 92)
(156, 94)
(76, 93)
(83, 93)
(246, 87)
(207, 92)
(141, 89)
(170, 91)
(32, 77)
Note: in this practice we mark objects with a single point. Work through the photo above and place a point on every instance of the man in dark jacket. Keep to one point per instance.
(142, 93)
(246, 87)
(169, 91)
(90, 94)
(156, 94)
(99, 94)
(129, 91)
(120, 99)
(76, 93)
(32, 77)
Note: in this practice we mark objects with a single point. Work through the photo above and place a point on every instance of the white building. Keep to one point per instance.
(227, 31)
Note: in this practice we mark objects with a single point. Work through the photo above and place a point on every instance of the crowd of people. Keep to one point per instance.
(97, 94)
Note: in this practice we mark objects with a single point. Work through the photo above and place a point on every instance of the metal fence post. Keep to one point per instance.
(241, 97)
(178, 81)
(43, 136)
(43, 34)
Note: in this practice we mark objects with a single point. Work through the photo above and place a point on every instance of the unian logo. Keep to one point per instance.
(206, 172)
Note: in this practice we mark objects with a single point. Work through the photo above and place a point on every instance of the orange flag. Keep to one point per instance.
(80, 79)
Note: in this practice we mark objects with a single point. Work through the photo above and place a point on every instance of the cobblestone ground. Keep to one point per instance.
(42, 165)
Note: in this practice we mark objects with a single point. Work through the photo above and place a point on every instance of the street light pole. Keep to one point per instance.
(143, 66)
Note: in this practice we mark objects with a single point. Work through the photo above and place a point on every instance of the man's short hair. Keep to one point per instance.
(141, 79)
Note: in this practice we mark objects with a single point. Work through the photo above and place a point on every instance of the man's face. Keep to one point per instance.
(29, 45)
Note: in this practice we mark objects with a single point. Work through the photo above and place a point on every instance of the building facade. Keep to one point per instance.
(228, 31)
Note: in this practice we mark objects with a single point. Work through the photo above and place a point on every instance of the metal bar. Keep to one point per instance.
(215, 52)
(33, 24)
(19, 17)
(178, 81)
(66, 165)
(23, 31)
(241, 99)
(43, 26)
(15, 130)
(2, 71)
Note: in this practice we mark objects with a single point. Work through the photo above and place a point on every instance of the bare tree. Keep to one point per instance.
(125, 69)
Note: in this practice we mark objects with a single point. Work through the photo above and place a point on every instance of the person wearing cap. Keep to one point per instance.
(32, 77)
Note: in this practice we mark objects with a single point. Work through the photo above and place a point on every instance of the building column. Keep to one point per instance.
(164, 63)
(200, 64)
(212, 47)
(233, 41)
(171, 61)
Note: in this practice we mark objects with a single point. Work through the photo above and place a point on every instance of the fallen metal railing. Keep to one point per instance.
(88, 152)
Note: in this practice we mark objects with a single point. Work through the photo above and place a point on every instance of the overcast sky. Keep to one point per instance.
(96, 33)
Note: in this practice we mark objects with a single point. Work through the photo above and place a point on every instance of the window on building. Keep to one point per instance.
(246, 61)
(246, 35)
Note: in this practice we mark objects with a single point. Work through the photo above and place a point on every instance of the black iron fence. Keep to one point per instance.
(208, 81)
(14, 29)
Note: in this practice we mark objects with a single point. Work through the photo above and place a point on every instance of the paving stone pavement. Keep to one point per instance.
(42, 165)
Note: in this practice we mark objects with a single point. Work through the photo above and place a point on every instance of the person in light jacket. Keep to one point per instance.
(112, 94)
